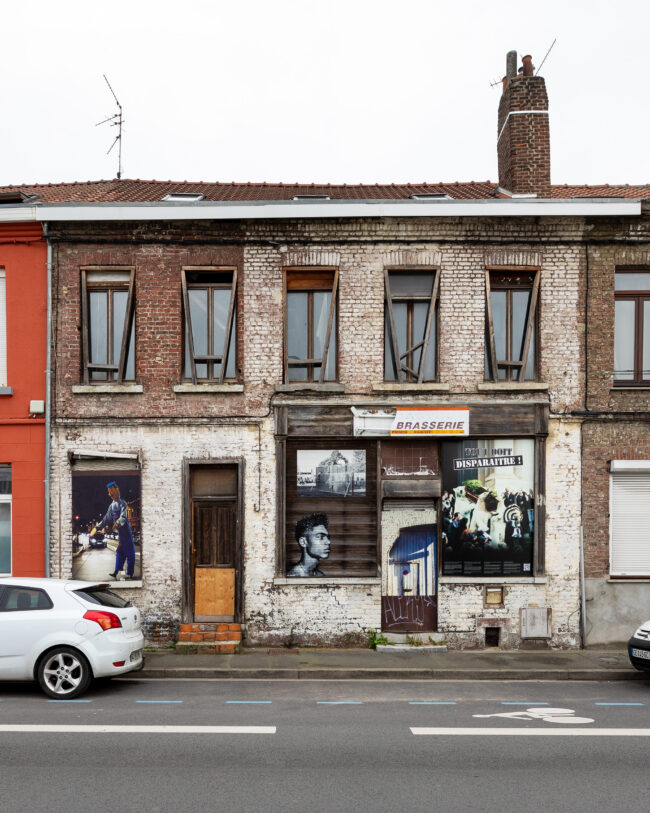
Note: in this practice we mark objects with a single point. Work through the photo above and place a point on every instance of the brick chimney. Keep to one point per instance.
(523, 144)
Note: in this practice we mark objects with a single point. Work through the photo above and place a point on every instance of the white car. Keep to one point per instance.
(64, 633)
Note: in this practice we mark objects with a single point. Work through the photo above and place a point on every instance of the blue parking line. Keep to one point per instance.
(340, 702)
(524, 703)
(253, 702)
(158, 701)
(432, 702)
(619, 704)
(69, 701)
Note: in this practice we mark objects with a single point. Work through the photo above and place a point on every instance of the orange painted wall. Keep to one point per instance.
(23, 255)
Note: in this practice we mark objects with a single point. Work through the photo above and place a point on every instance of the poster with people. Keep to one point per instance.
(106, 540)
(488, 507)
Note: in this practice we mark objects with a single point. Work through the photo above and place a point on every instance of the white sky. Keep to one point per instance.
(354, 91)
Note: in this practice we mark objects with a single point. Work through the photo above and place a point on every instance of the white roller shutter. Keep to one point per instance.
(630, 523)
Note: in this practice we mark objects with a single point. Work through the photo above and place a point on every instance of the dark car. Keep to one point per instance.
(638, 648)
(96, 540)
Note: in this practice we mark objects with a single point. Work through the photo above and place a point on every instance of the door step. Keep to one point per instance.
(207, 638)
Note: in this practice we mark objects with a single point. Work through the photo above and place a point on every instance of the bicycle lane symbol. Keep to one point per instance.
(546, 715)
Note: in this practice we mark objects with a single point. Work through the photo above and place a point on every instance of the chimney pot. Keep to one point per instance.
(511, 64)
(528, 65)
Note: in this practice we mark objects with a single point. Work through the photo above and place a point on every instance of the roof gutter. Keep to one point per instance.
(279, 210)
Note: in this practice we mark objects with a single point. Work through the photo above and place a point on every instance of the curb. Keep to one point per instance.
(210, 673)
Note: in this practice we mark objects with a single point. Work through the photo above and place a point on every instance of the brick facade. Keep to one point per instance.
(167, 427)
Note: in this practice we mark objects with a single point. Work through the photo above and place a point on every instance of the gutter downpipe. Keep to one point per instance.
(48, 401)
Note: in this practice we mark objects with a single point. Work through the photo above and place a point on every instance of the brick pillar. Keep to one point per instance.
(523, 145)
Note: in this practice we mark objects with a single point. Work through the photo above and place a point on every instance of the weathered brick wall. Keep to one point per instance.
(524, 149)
(169, 427)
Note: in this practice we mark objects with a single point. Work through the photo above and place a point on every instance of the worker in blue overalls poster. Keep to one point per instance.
(116, 520)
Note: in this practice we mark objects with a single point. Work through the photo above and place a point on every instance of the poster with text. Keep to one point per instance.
(488, 507)
(106, 540)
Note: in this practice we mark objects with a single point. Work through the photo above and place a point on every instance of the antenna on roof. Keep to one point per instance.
(115, 120)
(544, 60)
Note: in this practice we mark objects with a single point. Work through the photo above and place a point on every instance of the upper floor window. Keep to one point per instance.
(632, 328)
(510, 344)
(3, 329)
(107, 324)
(410, 326)
(209, 298)
(310, 326)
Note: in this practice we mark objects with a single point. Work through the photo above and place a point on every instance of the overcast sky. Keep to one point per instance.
(340, 91)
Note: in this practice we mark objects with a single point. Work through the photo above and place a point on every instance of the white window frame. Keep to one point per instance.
(637, 536)
(3, 328)
(6, 499)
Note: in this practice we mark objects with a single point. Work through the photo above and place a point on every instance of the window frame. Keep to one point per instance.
(638, 297)
(3, 326)
(432, 321)
(310, 362)
(622, 471)
(129, 325)
(532, 324)
(210, 359)
(6, 499)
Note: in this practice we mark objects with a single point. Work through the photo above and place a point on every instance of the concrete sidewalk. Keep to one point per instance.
(419, 664)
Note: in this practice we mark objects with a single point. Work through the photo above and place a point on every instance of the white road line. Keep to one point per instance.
(531, 732)
(139, 729)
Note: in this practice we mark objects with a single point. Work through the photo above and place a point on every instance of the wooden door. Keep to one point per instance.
(214, 549)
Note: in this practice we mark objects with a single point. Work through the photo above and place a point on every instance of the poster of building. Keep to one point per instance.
(106, 539)
(488, 507)
(336, 473)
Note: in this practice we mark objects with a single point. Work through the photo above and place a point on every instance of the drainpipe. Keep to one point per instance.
(583, 599)
(48, 404)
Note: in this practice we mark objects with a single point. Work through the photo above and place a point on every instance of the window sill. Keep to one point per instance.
(6, 390)
(203, 388)
(628, 579)
(491, 579)
(107, 389)
(411, 387)
(124, 585)
(622, 388)
(512, 386)
(343, 581)
(306, 386)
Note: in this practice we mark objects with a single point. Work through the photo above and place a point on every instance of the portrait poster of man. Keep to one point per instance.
(336, 473)
(488, 507)
(106, 538)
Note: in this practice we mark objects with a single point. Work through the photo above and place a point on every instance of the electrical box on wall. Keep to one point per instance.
(535, 622)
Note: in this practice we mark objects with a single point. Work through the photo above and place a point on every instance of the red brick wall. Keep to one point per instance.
(23, 255)
(524, 149)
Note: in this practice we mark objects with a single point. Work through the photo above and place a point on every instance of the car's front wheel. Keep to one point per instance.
(63, 673)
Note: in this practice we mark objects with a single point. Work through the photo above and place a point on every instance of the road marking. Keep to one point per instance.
(138, 729)
(545, 714)
(531, 732)
(619, 704)
(253, 702)
(523, 703)
(340, 702)
(432, 702)
(158, 701)
(69, 701)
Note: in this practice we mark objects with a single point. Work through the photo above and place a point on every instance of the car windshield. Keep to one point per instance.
(102, 595)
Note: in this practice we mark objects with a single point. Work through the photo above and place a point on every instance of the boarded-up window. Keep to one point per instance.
(331, 508)
(405, 457)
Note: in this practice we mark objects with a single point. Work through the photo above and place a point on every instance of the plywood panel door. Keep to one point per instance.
(214, 548)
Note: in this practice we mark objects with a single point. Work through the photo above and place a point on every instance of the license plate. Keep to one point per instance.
(135, 656)
(641, 653)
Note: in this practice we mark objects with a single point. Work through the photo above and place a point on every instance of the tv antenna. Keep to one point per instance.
(115, 120)
(544, 60)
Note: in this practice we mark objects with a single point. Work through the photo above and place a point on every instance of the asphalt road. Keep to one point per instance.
(327, 746)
